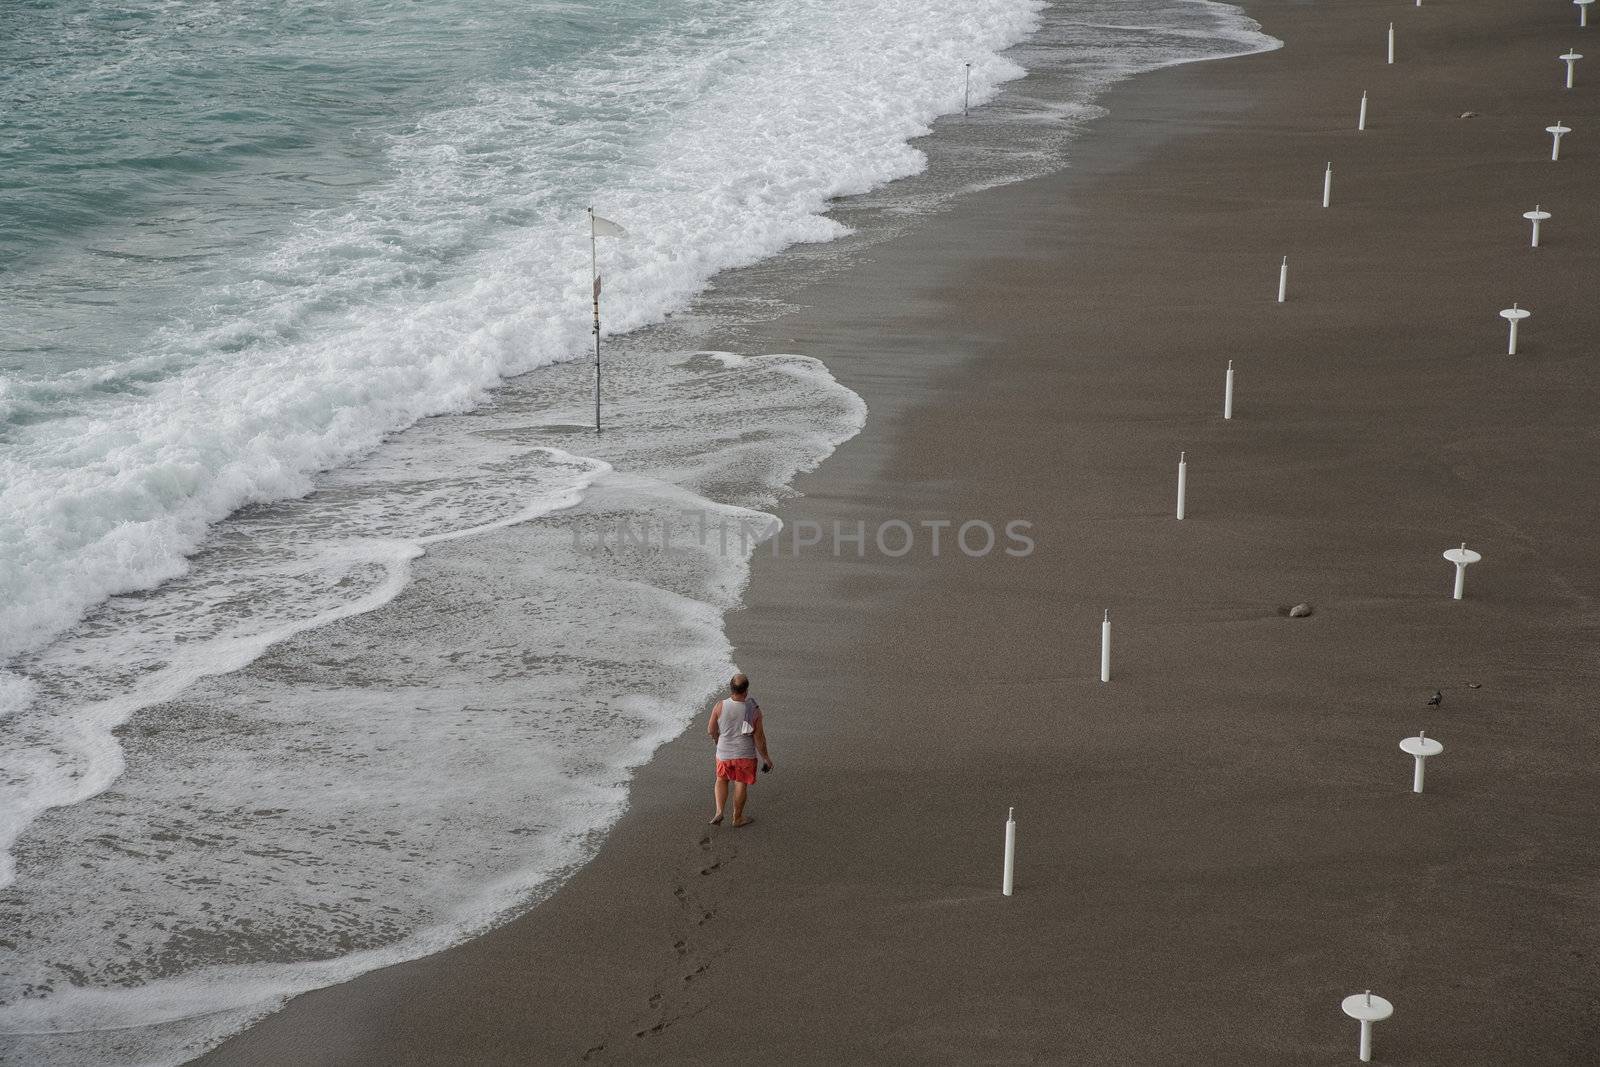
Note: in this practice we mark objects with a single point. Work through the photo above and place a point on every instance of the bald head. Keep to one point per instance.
(739, 685)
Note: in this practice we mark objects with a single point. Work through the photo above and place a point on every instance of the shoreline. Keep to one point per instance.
(1020, 135)
(1153, 814)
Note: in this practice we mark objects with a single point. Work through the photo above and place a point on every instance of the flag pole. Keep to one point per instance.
(594, 274)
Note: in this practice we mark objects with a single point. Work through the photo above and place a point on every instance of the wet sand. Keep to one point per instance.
(1220, 844)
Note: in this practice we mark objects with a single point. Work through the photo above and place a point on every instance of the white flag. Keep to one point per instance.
(605, 227)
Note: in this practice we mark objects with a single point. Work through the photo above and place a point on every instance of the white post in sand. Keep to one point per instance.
(1369, 1009)
(1011, 851)
(966, 96)
(1361, 119)
(1327, 185)
(1536, 216)
(1105, 648)
(1583, 11)
(1514, 315)
(1570, 58)
(1555, 133)
(1283, 280)
(1391, 42)
(1227, 393)
(1422, 746)
(1183, 480)
(1462, 557)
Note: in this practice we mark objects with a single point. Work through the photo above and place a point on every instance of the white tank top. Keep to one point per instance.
(732, 741)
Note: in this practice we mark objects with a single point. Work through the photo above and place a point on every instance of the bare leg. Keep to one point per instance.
(740, 791)
(721, 794)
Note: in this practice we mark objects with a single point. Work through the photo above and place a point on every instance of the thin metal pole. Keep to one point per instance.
(966, 99)
(594, 277)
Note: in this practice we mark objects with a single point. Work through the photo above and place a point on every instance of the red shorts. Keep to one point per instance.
(737, 770)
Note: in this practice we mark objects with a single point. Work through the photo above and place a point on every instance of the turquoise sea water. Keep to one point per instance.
(149, 148)
(294, 650)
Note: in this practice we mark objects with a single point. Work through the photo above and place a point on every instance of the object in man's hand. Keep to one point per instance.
(766, 768)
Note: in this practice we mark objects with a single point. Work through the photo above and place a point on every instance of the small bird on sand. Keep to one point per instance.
(1438, 698)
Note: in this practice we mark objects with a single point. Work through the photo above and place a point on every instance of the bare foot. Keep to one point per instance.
(743, 822)
(718, 820)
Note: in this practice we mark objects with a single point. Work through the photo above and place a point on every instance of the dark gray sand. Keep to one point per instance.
(1222, 843)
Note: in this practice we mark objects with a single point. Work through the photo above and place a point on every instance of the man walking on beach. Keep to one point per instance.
(737, 729)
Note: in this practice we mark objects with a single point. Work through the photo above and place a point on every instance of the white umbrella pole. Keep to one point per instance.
(1105, 648)
(1011, 851)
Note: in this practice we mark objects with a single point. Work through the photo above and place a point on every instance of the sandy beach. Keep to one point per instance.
(1220, 844)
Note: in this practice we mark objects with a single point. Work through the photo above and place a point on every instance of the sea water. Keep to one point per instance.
(307, 664)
